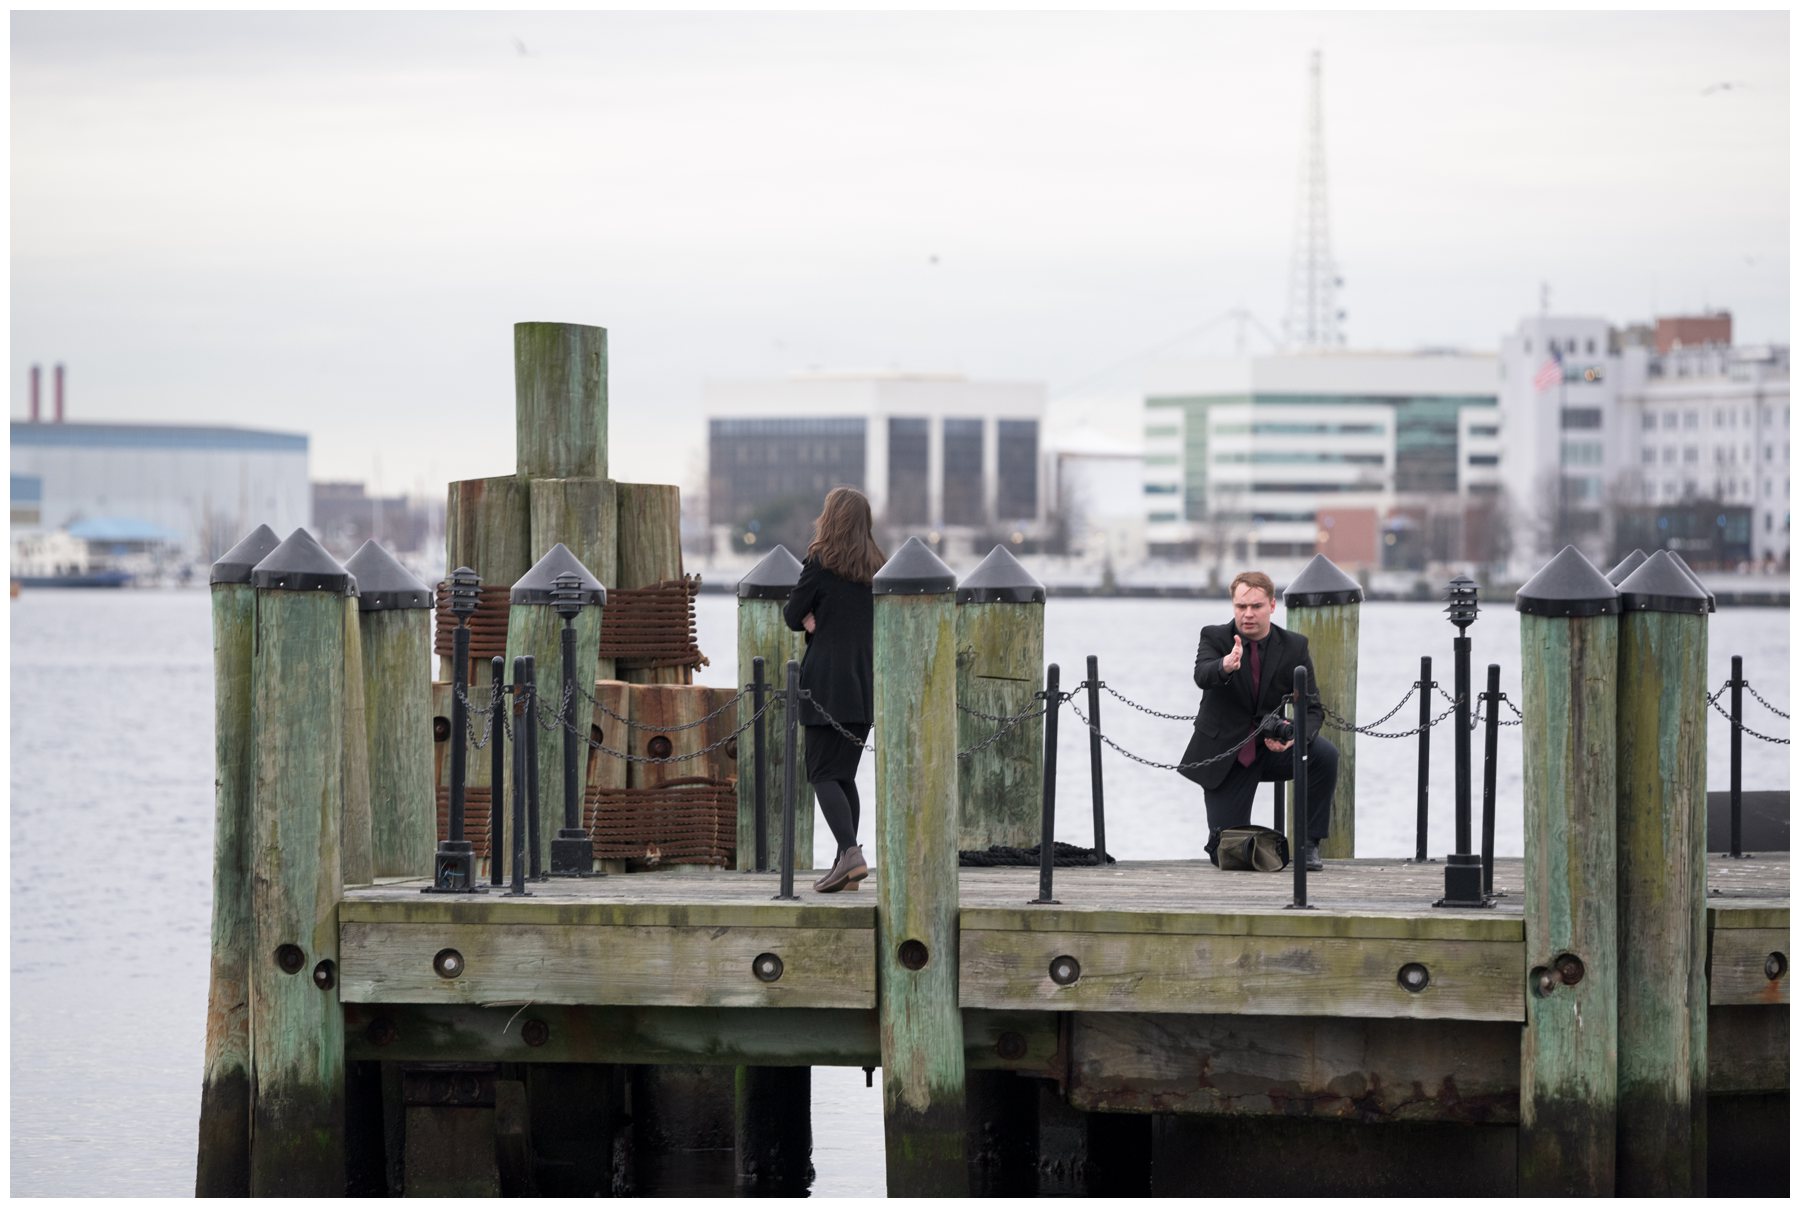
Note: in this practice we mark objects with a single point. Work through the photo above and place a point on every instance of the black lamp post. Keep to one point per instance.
(572, 851)
(454, 868)
(1462, 868)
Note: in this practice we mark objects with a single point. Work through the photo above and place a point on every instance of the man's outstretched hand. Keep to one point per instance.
(1235, 656)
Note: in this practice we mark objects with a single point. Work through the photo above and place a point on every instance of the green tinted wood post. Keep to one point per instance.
(1325, 604)
(999, 665)
(296, 1024)
(1568, 1076)
(394, 617)
(581, 513)
(535, 629)
(355, 852)
(1662, 881)
(559, 377)
(222, 1166)
(650, 552)
(922, 1071)
(762, 633)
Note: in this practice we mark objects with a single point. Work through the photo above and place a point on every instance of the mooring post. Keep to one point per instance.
(1662, 882)
(923, 1087)
(650, 553)
(1568, 1077)
(223, 1164)
(999, 657)
(394, 616)
(763, 635)
(296, 1024)
(534, 629)
(1325, 604)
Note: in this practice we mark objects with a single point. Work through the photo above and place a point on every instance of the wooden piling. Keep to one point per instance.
(296, 1024)
(923, 1077)
(223, 1164)
(761, 633)
(1662, 881)
(581, 513)
(774, 1128)
(394, 619)
(559, 377)
(1325, 604)
(649, 546)
(1568, 1078)
(355, 851)
(999, 665)
(535, 629)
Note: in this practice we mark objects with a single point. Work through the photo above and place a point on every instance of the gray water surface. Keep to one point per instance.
(112, 839)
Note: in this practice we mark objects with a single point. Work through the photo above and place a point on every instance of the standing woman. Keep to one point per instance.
(833, 604)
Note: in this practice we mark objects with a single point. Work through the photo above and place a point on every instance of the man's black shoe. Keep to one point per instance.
(1212, 847)
(1313, 862)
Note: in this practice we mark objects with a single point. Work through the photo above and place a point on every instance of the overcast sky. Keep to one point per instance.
(329, 222)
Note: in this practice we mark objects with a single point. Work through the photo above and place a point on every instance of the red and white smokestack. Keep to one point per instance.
(59, 393)
(36, 374)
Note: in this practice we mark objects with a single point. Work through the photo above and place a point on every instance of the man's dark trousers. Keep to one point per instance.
(1229, 805)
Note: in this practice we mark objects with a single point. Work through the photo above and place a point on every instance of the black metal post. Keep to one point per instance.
(1737, 757)
(1465, 830)
(1280, 822)
(1302, 758)
(572, 851)
(453, 868)
(1093, 683)
(521, 695)
(1462, 868)
(1047, 847)
(1426, 684)
(1489, 770)
(790, 785)
(759, 692)
(529, 752)
(497, 781)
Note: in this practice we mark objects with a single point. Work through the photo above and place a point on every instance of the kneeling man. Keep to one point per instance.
(1243, 670)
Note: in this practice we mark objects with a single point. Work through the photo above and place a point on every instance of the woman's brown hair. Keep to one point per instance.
(843, 536)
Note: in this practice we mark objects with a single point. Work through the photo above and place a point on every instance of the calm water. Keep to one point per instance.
(112, 840)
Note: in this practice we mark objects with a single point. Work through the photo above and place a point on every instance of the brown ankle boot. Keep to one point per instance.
(849, 869)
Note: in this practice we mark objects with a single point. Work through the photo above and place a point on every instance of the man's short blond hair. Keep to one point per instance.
(1256, 579)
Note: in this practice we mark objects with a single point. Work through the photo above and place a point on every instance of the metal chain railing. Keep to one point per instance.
(1125, 700)
(1151, 763)
(1713, 700)
(1344, 723)
(831, 721)
(686, 725)
(560, 721)
(1765, 704)
(472, 711)
(1007, 724)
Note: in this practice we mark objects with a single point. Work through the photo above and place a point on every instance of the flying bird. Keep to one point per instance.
(524, 53)
(1722, 86)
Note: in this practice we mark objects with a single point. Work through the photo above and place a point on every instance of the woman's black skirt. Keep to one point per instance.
(831, 756)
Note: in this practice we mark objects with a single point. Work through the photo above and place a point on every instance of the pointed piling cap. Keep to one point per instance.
(771, 579)
(1568, 586)
(301, 564)
(1627, 564)
(241, 559)
(1000, 580)
(914, 571)
(384, 583)
(1712, 601)
(1321, 583)
(537, 584)
(1660, 586)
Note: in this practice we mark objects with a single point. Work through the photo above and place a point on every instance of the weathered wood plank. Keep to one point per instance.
(1333, 635)
(1367, 1070)
(666, 712)
(1223, 918)
(916, 797)
(650, 966)
(560, 404)
(1246, 975)
(1569, 1078)
(661, 901)
(398, 695)
(1747, 1050)
(1742, 958)
(999, 671)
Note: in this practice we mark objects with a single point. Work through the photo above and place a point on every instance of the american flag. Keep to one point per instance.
(1549, 373)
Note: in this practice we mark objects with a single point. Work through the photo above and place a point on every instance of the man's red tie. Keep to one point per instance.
(1247, 753)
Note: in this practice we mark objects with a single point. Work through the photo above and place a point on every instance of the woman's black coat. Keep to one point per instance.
(839, 667)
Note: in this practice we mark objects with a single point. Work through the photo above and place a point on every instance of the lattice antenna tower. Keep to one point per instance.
(1313, 319)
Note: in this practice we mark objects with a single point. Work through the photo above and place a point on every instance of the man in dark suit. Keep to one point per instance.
(1244, 670)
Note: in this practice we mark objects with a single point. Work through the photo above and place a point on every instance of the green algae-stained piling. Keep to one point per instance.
(1325, 604)
(649, 553)
(922, 1084)
(581, 513)
(999, 664)
(762, 633)
(1568, 1078)
(296, 1025)
(394, 617)
(559, 378)
(223, 1166)
(355, 856)
(1662, 881)
(533, 628)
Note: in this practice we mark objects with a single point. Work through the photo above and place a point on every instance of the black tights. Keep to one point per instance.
(842, 809)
